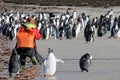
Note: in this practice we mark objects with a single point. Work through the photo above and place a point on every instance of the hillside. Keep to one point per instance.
(93, 3)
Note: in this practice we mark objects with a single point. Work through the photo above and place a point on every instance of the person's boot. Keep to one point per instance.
(34, 61)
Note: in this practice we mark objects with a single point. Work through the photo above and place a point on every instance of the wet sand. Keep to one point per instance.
(105, 63)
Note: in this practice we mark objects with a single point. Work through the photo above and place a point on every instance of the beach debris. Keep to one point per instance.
(28, 73)
(3, 78)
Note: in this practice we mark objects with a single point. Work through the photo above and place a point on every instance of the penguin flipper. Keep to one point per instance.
(59, 60)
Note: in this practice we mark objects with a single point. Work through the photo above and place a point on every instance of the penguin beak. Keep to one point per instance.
(48, 50)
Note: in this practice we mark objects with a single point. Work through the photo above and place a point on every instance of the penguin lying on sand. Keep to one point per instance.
(85, 62)
(50, 63)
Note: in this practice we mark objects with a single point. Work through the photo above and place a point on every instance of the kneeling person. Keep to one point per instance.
(26, 37)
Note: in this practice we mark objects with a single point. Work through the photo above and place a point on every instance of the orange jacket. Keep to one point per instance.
(26, 37)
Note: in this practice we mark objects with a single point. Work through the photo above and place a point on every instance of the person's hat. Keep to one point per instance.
(30, 20)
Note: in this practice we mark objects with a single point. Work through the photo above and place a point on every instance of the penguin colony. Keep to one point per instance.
(60, 26)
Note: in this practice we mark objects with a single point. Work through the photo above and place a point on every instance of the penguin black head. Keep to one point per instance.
(50, 50)
(87, 56)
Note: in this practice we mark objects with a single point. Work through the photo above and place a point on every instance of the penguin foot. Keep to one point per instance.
(60, 38)
(47, 75)
(85, 70)
(10, 75)
(89, 42)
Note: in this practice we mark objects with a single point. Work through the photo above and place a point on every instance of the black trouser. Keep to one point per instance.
(27, 52)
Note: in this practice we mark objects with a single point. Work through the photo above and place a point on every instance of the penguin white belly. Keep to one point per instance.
(78, 30)
(50, 66)
(117, 34)
(48, 31)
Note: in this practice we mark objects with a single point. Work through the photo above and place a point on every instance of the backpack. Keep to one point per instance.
(25, 38)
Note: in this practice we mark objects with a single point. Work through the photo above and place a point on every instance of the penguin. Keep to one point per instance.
(74, 30)
(12, 33)
(14, 63)
(85, 62)
(89, 32)
(110, 12)
(50, 63)
(115, 28)
(68, 32)
(117, 35)
(61, 32)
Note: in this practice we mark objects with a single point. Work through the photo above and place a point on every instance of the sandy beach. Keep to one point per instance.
(105, 52)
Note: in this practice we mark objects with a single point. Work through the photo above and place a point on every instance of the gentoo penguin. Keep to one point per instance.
(76, 29)
(110, 12)
(85, 62)
(68, 32)
(117, 35)
(12, 33)
(89, 32)
(115, 28)
(50, 63)
(14, 63)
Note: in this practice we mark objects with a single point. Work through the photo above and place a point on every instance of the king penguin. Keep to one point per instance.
(85, 62)
(50, 63)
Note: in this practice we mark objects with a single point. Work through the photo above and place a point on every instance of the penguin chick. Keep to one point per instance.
(85, 62)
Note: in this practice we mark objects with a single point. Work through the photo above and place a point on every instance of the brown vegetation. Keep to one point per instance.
(94, 3)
